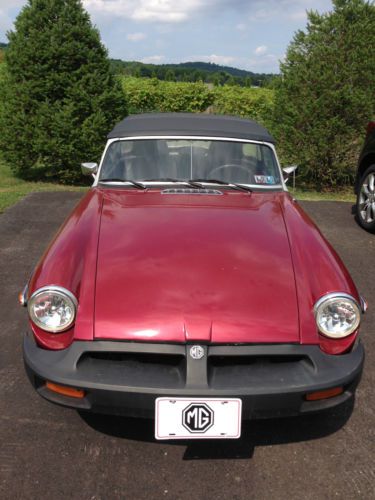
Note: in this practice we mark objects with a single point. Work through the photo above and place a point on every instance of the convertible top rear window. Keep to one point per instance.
(184, 159)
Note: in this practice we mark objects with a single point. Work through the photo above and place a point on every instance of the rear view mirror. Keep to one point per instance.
(89, 168)
(288, 171)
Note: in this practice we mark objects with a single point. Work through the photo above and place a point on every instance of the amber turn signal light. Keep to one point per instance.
(65, 391)
(329, 393)
(22, 299)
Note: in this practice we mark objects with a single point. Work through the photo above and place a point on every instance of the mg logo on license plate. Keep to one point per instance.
(197, 418)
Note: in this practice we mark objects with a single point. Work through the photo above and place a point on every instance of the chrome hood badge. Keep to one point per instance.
(196, 352)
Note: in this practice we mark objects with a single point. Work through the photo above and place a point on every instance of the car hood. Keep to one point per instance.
(174, 269)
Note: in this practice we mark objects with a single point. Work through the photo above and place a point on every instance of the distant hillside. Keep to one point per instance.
(192, 72)
(216, 68)
(187, 72)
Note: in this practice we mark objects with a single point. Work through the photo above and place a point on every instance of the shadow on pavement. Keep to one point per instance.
(254, 433)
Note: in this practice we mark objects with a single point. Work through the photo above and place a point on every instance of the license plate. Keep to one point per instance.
(199, 418)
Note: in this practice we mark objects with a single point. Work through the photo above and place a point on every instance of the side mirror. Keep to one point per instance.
(288, 171)
(89, 168)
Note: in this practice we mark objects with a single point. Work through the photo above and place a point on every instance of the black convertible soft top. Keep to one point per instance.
(190, 124)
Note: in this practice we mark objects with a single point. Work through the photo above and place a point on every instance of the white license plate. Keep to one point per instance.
(198, 418)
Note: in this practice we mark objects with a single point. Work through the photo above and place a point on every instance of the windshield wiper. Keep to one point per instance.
(138, 185)
(238, 187)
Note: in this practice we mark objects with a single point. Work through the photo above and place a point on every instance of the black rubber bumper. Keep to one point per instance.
(125, 378)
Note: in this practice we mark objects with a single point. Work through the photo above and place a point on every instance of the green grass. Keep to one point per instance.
(343, 195)
(13, 189)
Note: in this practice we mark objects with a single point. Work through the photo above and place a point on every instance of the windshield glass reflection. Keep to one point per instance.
(182, 160)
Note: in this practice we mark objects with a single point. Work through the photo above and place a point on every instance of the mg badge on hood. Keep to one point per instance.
(196, 352)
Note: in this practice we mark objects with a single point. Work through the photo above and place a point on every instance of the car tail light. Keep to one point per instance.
(329, 393)
(65, 391)
(370, 128)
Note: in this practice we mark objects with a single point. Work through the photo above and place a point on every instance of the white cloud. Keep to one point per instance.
(7, 4)
(168, 11)
(213, 58)
(157, 59)
(136, 37)
(261, 50)
(294, 10)
(241, 27)
(266, 63)
(6, 19)
(5, 25)
(174, 11)
(299, 15)
(261, 14)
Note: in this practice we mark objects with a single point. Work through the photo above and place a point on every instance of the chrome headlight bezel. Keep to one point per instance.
(329, 299)
(61, 293)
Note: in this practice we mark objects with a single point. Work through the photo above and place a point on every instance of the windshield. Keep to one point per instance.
(184, 159)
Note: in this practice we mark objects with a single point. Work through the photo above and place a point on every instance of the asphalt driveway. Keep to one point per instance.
(52, 452)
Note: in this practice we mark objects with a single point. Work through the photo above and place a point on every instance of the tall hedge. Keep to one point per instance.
(254, 103)
(146, 94)
(58, 98)
(326, 94)
(150, 94)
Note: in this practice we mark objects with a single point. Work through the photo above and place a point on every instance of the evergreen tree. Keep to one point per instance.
(326, 93)
(59, 98)
(170, 75)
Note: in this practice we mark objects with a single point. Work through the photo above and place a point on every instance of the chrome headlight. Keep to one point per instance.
(337, 315)
(52, 308)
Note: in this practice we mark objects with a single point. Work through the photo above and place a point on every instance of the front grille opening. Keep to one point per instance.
(237, 371)
(135, 369)
(252, 360)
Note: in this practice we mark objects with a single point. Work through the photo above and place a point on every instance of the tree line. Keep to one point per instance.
(193, 72)
(186, 72)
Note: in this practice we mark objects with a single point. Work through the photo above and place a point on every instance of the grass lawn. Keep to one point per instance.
(13, 189)
(344, 195)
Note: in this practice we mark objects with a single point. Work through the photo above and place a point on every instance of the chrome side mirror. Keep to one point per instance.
(89, 168)
(288, 171)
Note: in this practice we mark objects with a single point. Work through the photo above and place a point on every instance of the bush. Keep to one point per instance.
(146, 95)
(58, 99)
(326, 94)
(151, 95)
(254, 103)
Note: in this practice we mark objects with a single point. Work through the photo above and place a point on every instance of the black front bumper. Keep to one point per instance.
(125, 378)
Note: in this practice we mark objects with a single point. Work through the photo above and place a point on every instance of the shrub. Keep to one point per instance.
(149, 94)
(58, 99)
(326, 93)
(254, 103)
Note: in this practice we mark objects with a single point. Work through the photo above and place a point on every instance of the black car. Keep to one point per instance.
(365, 182)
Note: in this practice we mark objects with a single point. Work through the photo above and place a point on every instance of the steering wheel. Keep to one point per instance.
(236, 165)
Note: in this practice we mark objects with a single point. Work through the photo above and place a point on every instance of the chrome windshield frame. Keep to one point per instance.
(258, 187)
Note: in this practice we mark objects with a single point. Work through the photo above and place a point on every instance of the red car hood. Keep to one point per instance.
(176, 268)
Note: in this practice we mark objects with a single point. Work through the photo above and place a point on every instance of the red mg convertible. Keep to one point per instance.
(190, 287)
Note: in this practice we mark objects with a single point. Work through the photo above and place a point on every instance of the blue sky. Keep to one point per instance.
(249, 34)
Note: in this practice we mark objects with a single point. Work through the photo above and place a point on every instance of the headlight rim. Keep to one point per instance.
(62, 291)
(337, 295)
